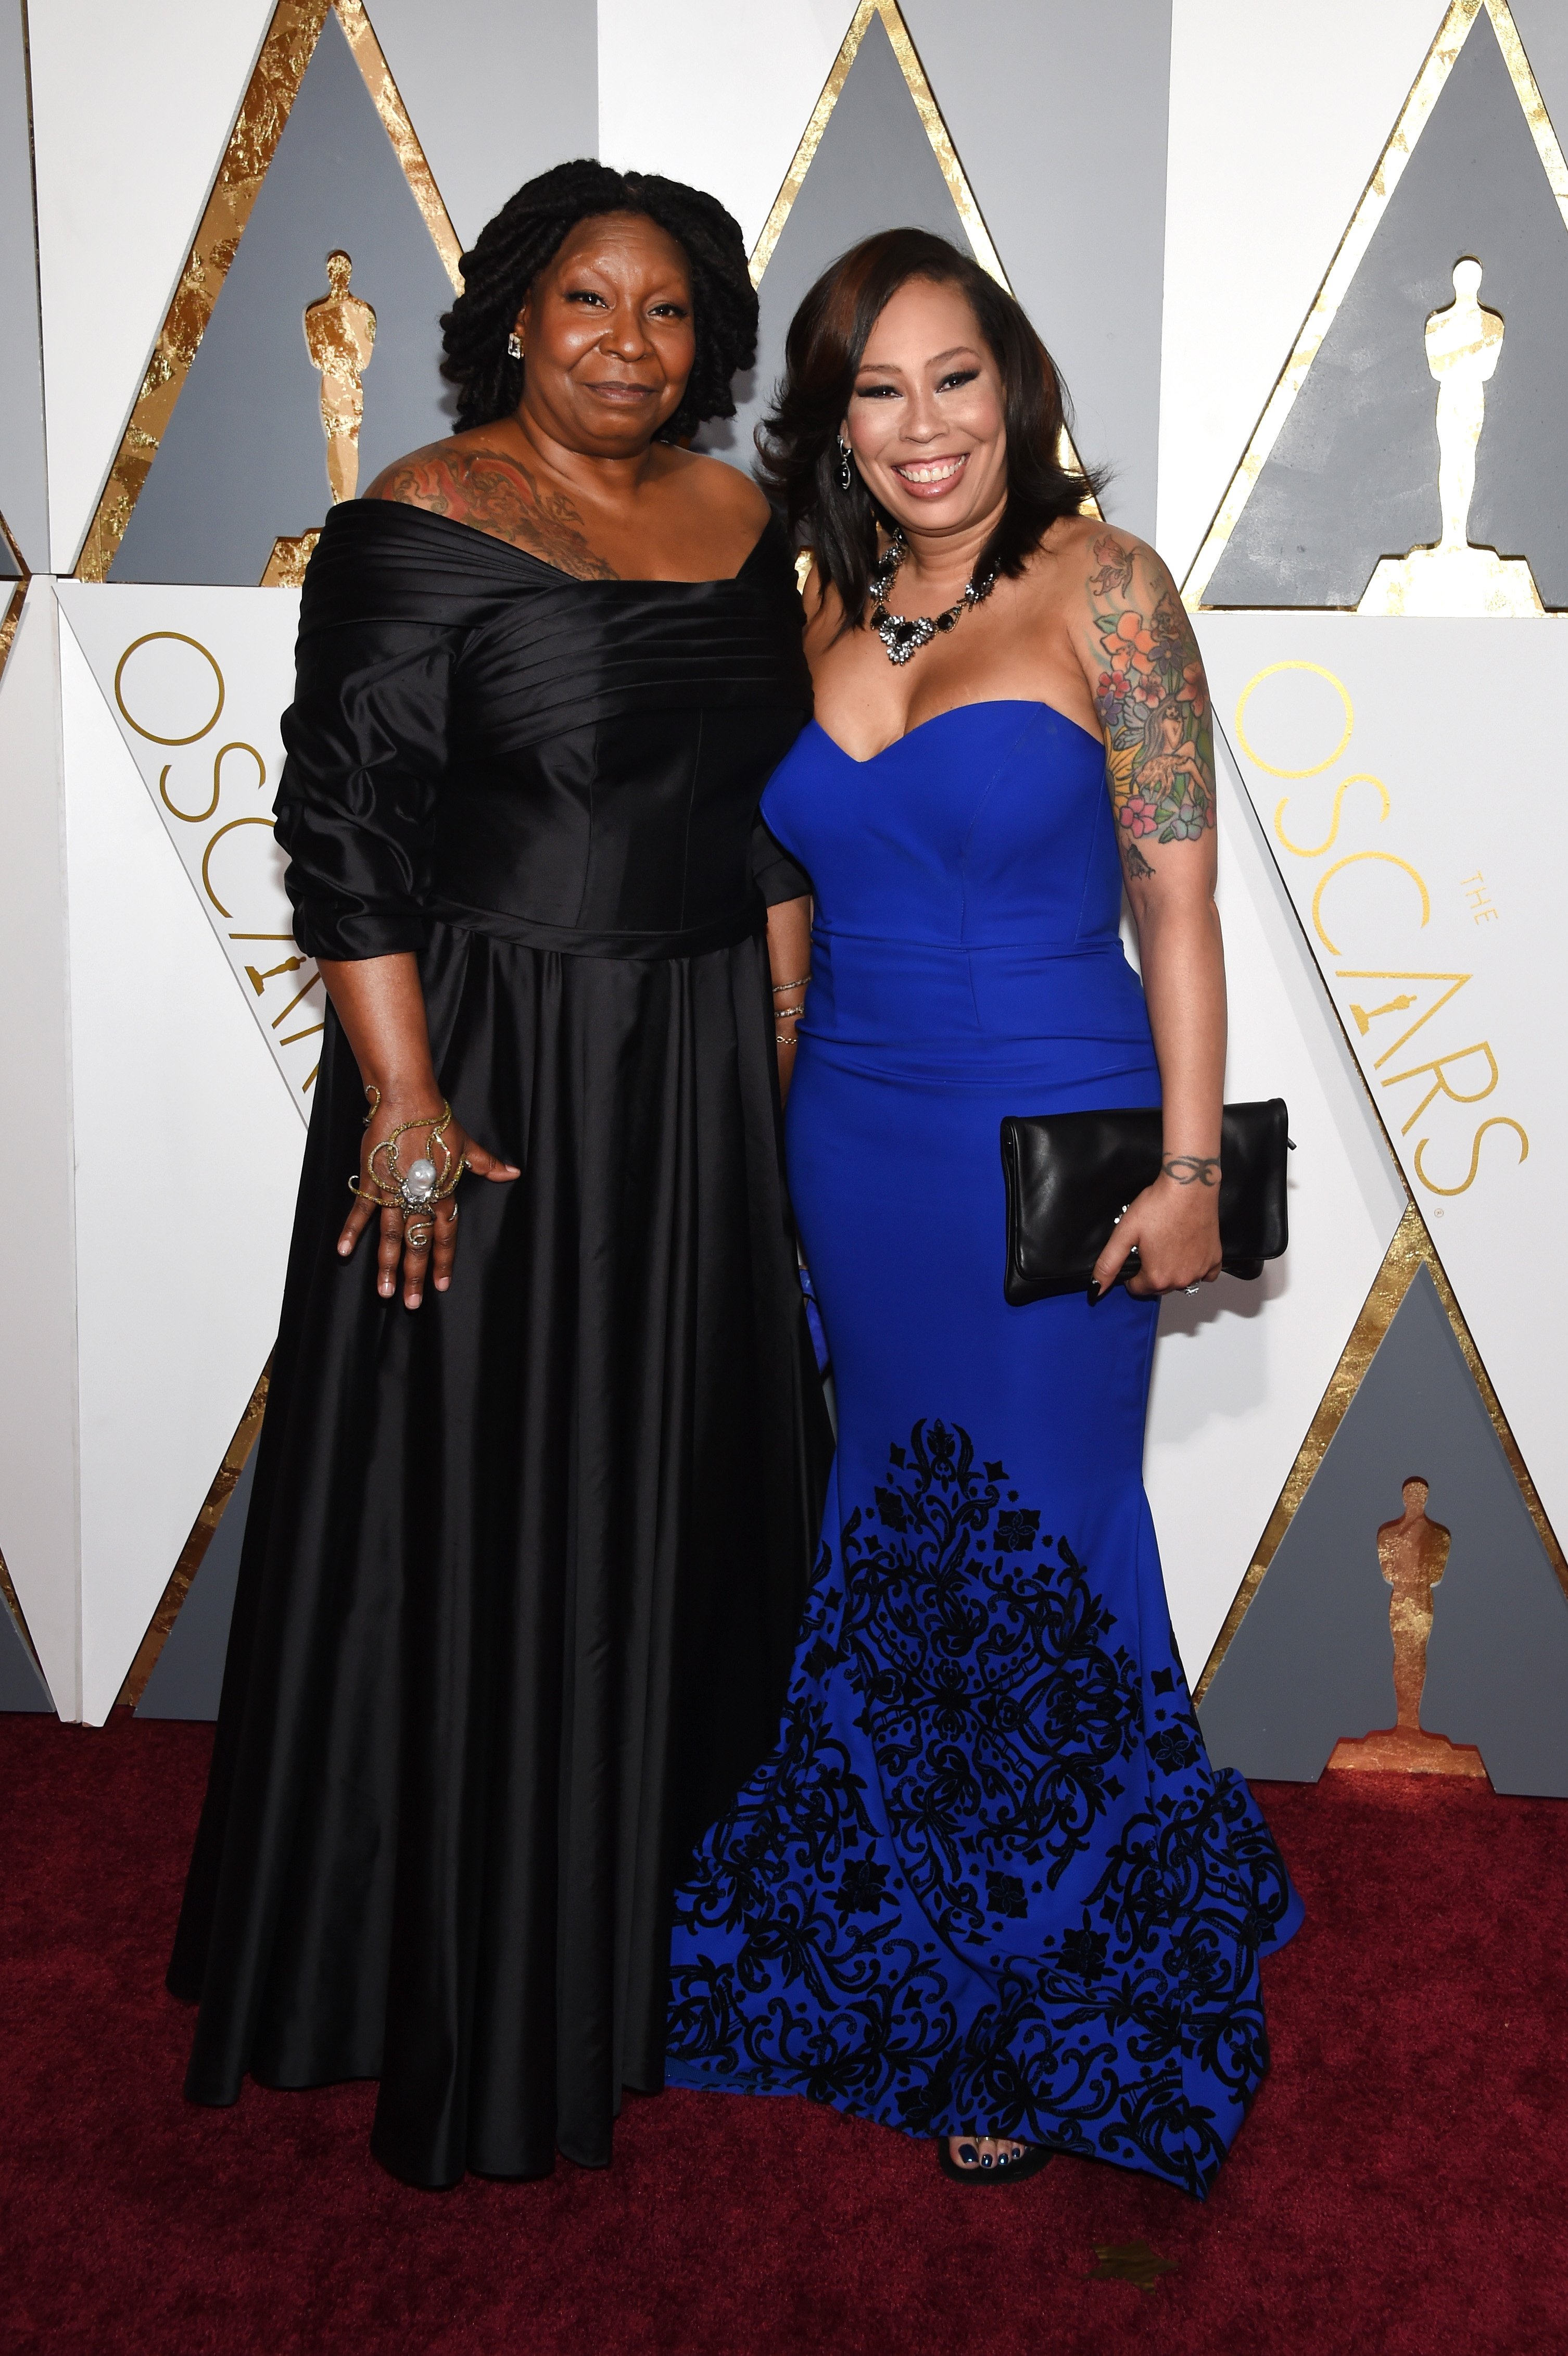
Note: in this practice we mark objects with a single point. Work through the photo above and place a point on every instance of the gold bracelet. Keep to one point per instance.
(799, 983)
(785, 1038)
(787, 1013)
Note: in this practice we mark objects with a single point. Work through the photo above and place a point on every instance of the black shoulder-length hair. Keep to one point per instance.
(798, 442)
(530, 228)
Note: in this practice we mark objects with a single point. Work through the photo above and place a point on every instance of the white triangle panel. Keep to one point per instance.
(1397, 767)
(670, 81)
(1240, 1369)
(187, 1158)
(196, 680)
(38, 1531)
(131, 113)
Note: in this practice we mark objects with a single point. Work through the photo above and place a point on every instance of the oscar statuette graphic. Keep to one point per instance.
(1464, 345)
(1413, 1554)
(340, 335)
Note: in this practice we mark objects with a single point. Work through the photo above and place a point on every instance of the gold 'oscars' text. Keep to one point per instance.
(1373, 898)
(215, 794)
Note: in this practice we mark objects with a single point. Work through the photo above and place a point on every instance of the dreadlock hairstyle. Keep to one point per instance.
(798, 442)
(530, 229)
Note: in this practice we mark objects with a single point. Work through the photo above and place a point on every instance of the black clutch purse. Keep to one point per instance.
(1070, 1176)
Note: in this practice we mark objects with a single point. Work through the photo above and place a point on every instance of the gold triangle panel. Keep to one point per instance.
(924, 102)
(12, 1602)
(190, 1559)
(16, 572)
(1412, 1247)
(264, 110)
(1456, 28)
(9, 621)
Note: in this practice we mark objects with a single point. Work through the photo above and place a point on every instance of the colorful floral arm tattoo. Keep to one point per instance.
(1152, 703)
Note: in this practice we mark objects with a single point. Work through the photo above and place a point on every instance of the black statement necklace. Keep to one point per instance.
(904, 637)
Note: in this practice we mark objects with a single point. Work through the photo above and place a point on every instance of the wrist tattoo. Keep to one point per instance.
(1192, 1169)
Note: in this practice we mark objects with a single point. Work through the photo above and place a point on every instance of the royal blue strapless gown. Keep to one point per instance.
(989, 1879)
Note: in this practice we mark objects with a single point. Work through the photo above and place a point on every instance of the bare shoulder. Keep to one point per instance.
(1117, 598)
(470, 480)
(720, 491)
(425, 478)
(1086, 562)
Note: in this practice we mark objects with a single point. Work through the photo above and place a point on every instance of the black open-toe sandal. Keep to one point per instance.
(1029, 2162)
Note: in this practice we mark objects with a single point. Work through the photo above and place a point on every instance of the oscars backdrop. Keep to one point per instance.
(1308, 279)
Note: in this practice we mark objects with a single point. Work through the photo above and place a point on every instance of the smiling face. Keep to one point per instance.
(608, 337)
(925, 420)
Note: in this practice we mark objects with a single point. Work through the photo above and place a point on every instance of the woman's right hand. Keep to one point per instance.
(422, 1242)
(1174, 1227)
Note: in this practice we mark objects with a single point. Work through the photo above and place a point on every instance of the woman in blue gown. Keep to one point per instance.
(988, 1888)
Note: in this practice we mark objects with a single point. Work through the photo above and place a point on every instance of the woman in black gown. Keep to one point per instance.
(528, 1546)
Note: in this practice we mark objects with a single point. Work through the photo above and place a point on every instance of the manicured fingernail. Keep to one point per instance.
(414, 1300)
(386, 1287)
(1094, 1293)
(442, 1282)
(344, 1247)
(985, 2159)
(968, 2155)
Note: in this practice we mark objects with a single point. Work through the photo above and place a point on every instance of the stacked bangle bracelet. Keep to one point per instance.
(788, 1013)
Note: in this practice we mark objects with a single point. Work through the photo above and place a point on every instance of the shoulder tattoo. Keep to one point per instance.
(498, 495)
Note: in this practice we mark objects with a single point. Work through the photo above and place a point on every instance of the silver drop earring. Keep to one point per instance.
(514, 346)
(846, 473)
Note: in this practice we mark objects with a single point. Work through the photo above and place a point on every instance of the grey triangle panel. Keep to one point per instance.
(1015, 83)
(187, 1676)
(873, 169)
(1313, 1659)
(534, 103)
(24, 497)
(1353, 475)
(243, 458)
(22, 1689)
(1542, 27)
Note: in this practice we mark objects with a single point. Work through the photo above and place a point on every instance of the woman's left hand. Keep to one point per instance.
(1174, 1223)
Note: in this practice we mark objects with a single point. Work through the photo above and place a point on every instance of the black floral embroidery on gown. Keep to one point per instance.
(988, 1879)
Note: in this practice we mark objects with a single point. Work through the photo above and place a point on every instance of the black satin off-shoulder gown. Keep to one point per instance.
(523, 1567)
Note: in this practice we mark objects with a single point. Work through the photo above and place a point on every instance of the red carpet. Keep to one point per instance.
(1400, 2186)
